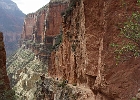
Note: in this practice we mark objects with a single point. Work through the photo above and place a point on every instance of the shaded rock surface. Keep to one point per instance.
(5, 90)
(85, 57)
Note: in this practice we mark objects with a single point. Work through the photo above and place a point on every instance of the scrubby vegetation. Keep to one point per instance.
(27, 68)
(57, 42)
(21, 58)
(8, 95)
(130, 32)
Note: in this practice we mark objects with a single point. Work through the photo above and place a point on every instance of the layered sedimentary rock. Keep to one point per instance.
(4, 81)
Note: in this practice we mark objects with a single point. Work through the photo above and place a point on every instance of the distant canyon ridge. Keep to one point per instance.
(11, 23)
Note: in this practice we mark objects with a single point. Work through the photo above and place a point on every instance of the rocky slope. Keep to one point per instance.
(11, 22)
(5, 92)
(24, 71)
(78, 52)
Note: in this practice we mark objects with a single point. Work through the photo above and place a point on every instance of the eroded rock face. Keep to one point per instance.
(81, 54)
(4, 81)
(85, 57)
(41, 27)
(31, 60)
(44, 23)
(69, 60)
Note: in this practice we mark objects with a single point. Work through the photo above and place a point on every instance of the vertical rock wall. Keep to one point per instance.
(29, 22)
(85, 57)
(46, 22)
(69, 61)
(41, 27)
(54, 18)
(4, 81)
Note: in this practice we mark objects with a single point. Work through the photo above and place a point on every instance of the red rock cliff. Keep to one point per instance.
(43, 23)
(41, 27)
(85, 57)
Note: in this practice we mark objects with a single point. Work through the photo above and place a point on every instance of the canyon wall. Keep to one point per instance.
(41, 27)
(44, 23)
(113, 81)
(70, 58)
(85, 57)
(5, 91)
(75, 49)
(31, 60)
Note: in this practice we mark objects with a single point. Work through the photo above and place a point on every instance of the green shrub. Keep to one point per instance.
(133, 98)
(8, 95)
(131, 28)
(138, 1)
(62, 84)
(58, 41)
(126, 51)
(131, 31)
